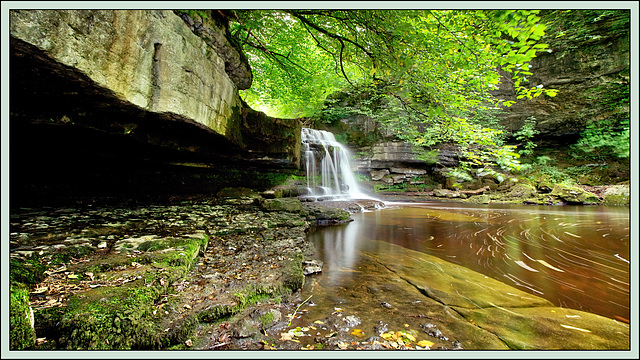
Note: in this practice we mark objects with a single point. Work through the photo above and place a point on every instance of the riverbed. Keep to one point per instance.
(574, 257)
(430, 275)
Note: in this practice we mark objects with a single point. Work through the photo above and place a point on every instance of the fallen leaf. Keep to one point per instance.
(189, 343)
(424, 343)
(286, 336)
(409, 336)
(357, 332)
(187, 306)
(223, 338)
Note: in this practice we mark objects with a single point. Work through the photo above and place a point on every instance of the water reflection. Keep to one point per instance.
(574, 256)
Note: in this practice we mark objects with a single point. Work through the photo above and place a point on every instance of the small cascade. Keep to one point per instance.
(328, 164)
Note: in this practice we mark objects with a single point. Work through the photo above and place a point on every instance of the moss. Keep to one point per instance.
(21, 333)
(266, 319)
(616, 200)
(522, 191)
(282, 204)
(72, 252)
(574, 195)
(479, 199)
(215, 313)
(121, 317)
(111, 318)
(26, 271)
(293, 275)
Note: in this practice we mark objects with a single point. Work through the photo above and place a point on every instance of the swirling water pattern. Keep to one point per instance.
(574, 256)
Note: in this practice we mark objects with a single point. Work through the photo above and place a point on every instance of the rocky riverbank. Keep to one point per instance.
(543, 194)
(227, 273)
(203, 273)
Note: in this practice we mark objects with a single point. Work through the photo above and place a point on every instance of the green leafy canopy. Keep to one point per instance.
(426, 58)
(428, 71)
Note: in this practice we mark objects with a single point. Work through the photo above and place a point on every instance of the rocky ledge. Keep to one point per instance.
(203, 274)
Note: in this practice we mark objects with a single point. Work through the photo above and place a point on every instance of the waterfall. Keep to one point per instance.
(328, 165)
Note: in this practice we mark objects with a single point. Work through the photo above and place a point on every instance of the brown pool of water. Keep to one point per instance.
(574, 256)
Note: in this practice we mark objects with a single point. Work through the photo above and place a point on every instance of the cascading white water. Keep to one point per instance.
(335, 178)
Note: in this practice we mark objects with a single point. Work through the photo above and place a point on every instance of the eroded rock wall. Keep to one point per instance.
(107, 103)
(158, 60)
(149, 58)
(588, 65)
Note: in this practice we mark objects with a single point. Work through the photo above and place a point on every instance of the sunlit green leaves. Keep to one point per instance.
(448, 57)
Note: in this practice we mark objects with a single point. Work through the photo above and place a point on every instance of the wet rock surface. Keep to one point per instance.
(231, 275)
(205, 261)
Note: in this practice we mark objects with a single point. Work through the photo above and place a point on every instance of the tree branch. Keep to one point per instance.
(454, 36)
(330, 34)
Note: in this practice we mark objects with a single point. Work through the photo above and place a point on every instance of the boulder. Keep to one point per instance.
(522, 191)
(617, 195)
(479, 199)
(378, 174)
(312, 267)
(282, 204)
(574, 195)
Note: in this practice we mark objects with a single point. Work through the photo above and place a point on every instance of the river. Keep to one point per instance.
(576, 257)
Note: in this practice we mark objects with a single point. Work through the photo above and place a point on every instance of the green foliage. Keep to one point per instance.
(432, 61)
(526, 134)
(381, 188)
(604, 138)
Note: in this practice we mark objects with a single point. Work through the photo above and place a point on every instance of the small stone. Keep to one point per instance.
(189, 343)
(311, 267)
(352, 320)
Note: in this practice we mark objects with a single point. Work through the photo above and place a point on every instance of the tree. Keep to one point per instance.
(431, 70)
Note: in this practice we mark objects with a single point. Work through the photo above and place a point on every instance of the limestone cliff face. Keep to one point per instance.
(154, 60)
(590, 72)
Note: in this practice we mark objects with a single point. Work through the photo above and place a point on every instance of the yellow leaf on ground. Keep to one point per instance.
(424, 343)
(357, 332)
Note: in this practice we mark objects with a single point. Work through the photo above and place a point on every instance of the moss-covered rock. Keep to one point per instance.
(282, 204)
(21, 332)
(326, 215)
(617, 195)
(119, 314)
(522, 191)
(479, 199)
(545, 185)
(574, 195)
